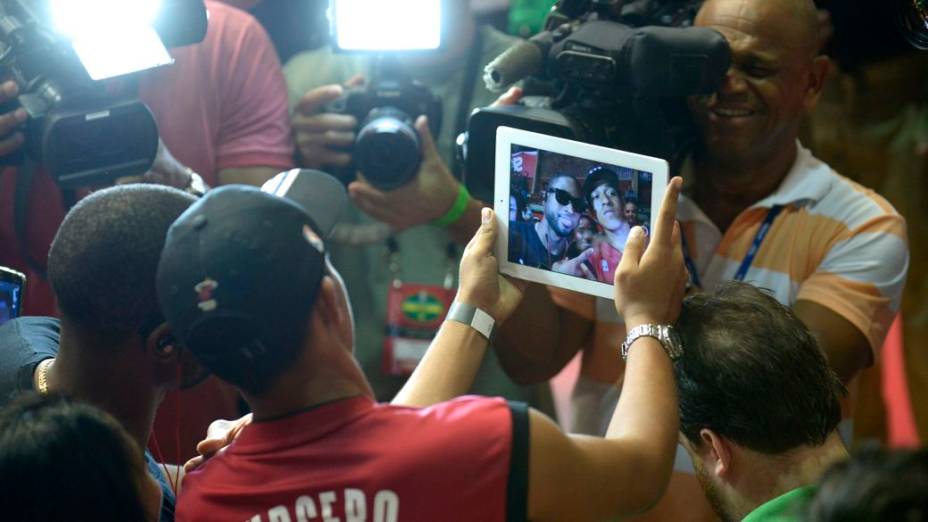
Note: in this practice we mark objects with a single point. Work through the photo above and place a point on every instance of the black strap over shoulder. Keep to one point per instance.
(517, 485)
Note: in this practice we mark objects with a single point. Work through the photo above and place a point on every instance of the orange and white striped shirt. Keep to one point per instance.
(834, 243)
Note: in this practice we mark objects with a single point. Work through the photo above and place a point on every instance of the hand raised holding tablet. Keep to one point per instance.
(651, 278)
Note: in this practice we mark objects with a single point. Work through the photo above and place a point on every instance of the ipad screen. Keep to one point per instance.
(572, 215)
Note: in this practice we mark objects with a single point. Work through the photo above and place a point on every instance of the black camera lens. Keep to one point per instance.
(912, 16)
(387, 149)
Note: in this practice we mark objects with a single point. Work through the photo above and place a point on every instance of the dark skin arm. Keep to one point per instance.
(540, 338)
(846, 348)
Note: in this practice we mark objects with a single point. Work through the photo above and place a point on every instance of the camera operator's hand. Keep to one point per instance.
(219, 435)
(481, 284)
(576, 266)
(510, 97)
(650, 280)
(166, 170)
(424, 199)
(319, 135)
(10, 139)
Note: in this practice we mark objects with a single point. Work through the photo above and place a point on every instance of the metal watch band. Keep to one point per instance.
(664, 335)
(473, 317)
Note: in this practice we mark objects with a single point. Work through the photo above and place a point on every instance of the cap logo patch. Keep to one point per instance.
(313, 238)
(204, 290)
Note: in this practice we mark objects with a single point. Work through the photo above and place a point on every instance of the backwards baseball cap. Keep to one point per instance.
(241, 269)
(597, 176)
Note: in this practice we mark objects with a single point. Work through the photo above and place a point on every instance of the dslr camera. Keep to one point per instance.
(387, 149)
(605, 72)
(79, 129)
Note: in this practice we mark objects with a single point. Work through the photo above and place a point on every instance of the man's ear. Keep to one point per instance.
(817, 75)
(329, 303)
(163, 352)
(719, 451)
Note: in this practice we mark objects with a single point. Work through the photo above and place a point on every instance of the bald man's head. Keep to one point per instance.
(775, 78)
(795, 22)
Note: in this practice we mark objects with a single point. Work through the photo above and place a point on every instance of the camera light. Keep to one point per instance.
(115, 53)
(112, 37)
(379, 25)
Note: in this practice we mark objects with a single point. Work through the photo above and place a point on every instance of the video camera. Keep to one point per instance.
(604, 72)
(60, 51)
(387, 149)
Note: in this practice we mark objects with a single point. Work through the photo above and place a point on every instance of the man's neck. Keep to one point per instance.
(311, 383)
(784, 473)
(106, 381)
(618, 236)
(553, 243)
(723, 189)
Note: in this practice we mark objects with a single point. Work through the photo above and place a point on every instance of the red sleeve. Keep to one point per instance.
(255, 123)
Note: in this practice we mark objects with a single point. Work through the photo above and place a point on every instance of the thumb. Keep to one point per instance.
(485, 239)
(429, 149)
(313, 101)
(634, 248)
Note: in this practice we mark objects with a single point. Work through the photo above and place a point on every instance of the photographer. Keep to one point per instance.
(758, 208)
(221, 111)
(410, 235)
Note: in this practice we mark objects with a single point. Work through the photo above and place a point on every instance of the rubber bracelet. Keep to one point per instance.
(457, 209)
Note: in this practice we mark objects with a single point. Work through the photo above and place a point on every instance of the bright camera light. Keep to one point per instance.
(115, 53)
(112, 37)
(382, 25)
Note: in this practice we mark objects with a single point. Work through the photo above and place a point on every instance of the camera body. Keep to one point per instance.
(84, 132)
(387, 149)
(607, 73)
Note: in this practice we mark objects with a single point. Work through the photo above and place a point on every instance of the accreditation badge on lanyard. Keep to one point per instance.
(415, 312)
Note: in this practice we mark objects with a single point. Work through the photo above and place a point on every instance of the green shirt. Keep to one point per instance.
(788, 507)
(422, 250)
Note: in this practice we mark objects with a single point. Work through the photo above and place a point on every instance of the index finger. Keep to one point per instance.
(663, 225)
(314, 99)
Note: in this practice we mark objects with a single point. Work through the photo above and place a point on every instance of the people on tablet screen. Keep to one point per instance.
(544, 243)
(601, 190)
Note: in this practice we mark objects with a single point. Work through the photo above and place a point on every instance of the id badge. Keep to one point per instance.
(414, 314)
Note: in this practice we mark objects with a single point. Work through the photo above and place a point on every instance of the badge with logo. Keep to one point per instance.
(414, 314)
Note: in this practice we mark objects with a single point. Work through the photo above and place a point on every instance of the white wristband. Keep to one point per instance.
(473, 317)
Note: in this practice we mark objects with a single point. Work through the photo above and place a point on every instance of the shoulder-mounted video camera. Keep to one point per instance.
(606, 72)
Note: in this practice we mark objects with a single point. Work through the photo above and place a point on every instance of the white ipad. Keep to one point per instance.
(566, 208)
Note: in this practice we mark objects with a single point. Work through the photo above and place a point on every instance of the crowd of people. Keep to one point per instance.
(718, 383)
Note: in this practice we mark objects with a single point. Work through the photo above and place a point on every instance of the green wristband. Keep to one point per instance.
(457, 209)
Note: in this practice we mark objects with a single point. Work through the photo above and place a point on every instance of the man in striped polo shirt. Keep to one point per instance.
(757, 207)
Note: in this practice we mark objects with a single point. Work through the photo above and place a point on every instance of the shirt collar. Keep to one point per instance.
(788, 506)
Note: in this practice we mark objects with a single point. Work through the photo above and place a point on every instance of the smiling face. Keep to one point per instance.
(773, 80)
(607, 206)
(562, 219)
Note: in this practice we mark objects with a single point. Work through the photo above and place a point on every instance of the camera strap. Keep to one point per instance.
(466, 97)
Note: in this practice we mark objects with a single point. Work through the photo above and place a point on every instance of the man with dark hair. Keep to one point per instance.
(112, 347)
(258, 302)
(544, 243)
(875, 484)
(601, 190)
(759, 406)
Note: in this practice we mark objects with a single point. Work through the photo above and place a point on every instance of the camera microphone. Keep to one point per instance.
(525, 58)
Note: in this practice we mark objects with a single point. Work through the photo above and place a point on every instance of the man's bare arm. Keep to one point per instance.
(846, 347)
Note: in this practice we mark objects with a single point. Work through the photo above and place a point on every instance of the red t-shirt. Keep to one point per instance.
(605, 261)
(354, 459)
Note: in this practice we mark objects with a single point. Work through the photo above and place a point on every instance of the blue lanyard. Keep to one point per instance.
(748, 258)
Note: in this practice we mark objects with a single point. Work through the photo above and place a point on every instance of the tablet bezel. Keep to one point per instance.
(506, 137)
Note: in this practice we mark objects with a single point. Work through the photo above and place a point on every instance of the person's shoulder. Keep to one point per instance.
(35, 334)
(469, 410)
(225, 16)
(850, 203)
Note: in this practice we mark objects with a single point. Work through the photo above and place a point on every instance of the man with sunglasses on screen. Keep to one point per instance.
(544, 244)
